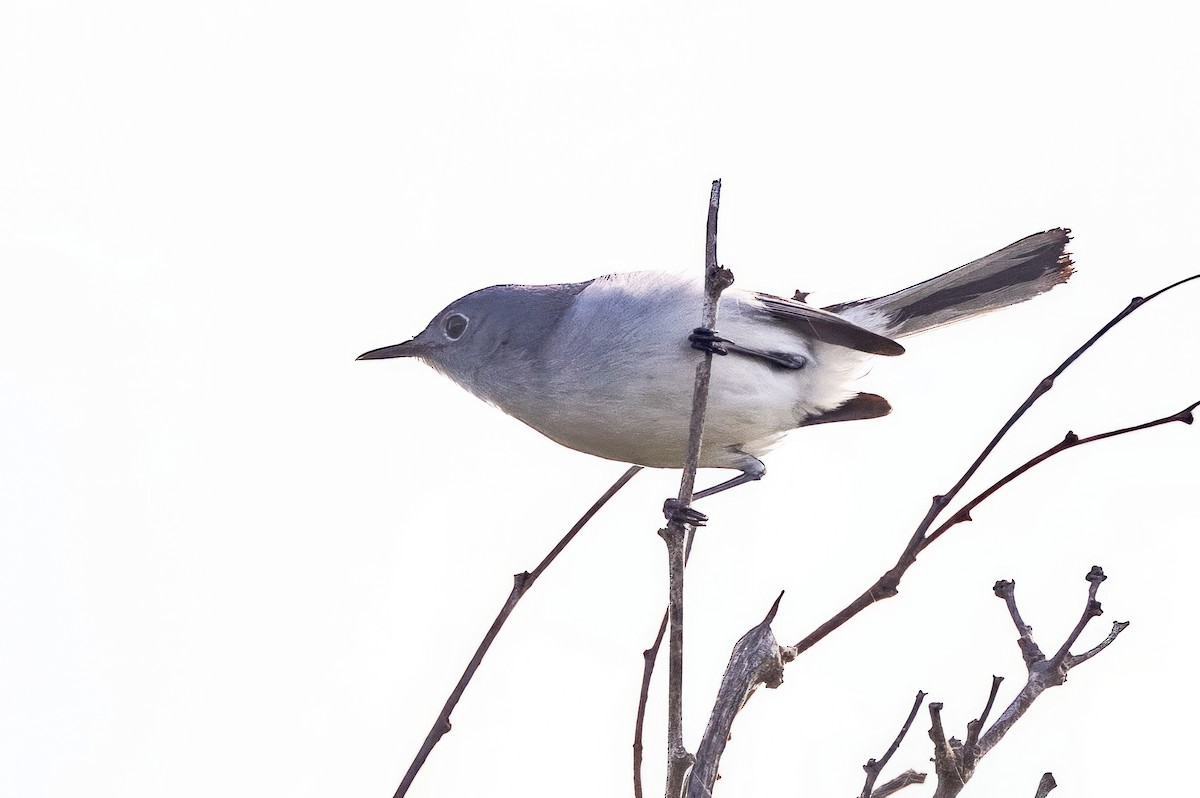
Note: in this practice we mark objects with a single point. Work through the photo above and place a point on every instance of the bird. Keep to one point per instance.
(607, 366)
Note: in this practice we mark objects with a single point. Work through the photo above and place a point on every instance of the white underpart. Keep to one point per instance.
(628, 334)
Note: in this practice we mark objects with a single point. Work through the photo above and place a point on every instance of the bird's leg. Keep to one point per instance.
(710, 341)
(678, 512)
(785, 360)
(707, 340)
(740, 479)
(675, 510)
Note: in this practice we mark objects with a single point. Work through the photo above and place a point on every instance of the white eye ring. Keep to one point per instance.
(455, 325)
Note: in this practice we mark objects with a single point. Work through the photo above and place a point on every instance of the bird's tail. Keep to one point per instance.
(1014, 274)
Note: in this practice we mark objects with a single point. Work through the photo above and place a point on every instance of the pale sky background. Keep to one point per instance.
(234, 561)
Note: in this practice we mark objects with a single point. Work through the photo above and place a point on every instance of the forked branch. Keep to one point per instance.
(888, 584)
(954, 761)
(875, 766)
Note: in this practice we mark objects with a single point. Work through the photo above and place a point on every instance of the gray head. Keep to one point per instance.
(489, 330)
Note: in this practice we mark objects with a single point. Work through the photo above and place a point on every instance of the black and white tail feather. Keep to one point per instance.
(1020, 271)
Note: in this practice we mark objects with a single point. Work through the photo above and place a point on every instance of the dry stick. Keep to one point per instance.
(905, 779)
(955, 762)
(1046, 784)
(875, 766)
(648, 658)
(716, 280)
(756, 659)
(1046, 673)
(970, 749)
(1069, 441)
(944, 761)
(887, 585)
(521, 584)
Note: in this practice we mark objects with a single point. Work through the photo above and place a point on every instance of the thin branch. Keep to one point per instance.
(678, 758)
(521, 584)
(875, 766)
(1044, 387)
(1090, 610)
(1046, 784)
(970, 749)
(1007, 590)
(1069, 441)
(648, 658)
(1117, 628)
(716, 280)
(905, 779)
(887, 585)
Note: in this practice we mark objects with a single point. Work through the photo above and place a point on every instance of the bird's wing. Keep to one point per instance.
(828, 327)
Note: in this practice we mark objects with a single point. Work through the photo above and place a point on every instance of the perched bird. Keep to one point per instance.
(607, 366)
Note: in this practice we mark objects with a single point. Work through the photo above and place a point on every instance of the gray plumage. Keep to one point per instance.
(605, 366)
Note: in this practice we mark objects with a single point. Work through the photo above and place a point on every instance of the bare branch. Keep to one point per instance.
(648, 658)
(1044, 674)
(970, 749)
(905, 779)
(887, 585)
(1117, 628)
(716, 280)
(956, 762)
(521, 584)
(1007, 590)
(1043, 387)
(678, 758)
(1069, 441)
(1046, 784)
(945, 758)
(755, 660)
(875, 767)
(1090, 610)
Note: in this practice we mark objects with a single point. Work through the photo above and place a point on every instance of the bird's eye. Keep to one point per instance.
(454, 326)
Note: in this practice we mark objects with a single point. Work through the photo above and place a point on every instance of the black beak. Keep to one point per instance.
(406, 349)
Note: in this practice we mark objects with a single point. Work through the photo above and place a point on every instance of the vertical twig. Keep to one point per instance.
(648, 658)
(716, 280)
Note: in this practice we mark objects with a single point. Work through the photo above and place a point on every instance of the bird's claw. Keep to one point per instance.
(707, 340)
(680, 513)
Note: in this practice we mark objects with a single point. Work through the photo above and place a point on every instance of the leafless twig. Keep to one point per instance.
(521, 584)
(716, 280)
(1046, 784)
(875, 766)
(955, 762)
(888, 584)
(1046, 673)
(756, 659)
(648, 658)
(893, 786)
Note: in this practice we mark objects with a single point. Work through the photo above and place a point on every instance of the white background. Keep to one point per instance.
(234, 561)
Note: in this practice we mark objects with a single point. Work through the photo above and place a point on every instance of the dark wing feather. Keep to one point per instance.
(828, 327)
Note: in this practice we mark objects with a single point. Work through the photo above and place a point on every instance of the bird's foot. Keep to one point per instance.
(707, 340)
(679, 513)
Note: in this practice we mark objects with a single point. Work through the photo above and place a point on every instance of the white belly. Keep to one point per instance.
(624, 391)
